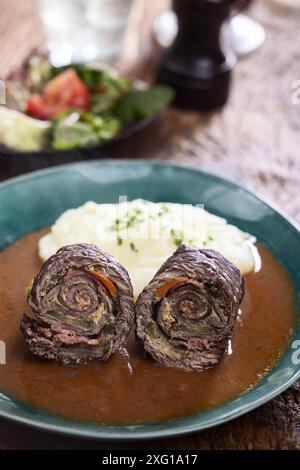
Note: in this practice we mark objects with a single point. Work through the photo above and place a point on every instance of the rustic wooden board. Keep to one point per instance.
(255, 140)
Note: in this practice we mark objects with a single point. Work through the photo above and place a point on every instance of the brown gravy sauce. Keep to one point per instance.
(136, 389)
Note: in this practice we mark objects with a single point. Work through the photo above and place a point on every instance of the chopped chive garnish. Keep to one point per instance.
(133, 248)
(127, 221)
(163, 210)
(131, 220)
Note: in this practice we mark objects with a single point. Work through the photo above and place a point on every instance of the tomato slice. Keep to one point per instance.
(61, 93)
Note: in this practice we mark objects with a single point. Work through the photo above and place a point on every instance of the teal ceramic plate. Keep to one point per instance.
(31, 202)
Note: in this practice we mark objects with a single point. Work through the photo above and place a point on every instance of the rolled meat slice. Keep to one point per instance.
(82, 304)
(186, 314)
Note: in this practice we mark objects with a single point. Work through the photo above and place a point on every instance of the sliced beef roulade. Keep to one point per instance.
(186, 315)
(82, 304)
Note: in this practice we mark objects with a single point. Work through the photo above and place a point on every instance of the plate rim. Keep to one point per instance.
(180, 426)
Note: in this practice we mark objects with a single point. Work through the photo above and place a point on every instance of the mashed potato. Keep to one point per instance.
(143, 234)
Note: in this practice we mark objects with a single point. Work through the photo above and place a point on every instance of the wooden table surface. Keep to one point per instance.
(255, 140)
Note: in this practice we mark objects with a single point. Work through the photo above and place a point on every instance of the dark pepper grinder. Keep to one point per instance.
(195, 65)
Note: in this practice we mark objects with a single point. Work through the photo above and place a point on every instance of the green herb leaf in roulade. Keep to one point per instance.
(186, 314)
(82, 304)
